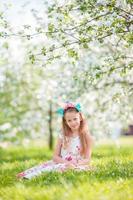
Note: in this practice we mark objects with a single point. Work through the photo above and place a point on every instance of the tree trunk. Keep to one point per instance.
(50, 126)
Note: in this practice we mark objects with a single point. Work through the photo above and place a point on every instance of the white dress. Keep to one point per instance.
(70, 153)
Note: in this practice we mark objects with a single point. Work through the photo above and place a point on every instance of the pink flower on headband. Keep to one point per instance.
(68, 105)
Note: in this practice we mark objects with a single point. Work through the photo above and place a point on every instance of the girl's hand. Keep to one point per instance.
(71, 164)
(74, 162)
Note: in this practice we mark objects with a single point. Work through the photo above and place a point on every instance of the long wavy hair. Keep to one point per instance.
(83, 130)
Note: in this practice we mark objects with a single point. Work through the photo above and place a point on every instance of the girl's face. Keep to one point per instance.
(73, 120)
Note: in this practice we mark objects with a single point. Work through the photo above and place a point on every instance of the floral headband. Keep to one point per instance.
(68, 105)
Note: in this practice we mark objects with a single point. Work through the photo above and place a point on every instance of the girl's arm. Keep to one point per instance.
(56, 156)
(87, 158)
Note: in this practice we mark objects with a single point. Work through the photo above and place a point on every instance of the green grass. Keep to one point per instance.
(112, 178)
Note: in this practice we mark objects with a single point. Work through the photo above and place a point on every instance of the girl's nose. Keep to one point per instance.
(73, 124)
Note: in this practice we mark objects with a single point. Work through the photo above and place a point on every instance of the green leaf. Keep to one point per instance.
(72, 53)
(43, 51)
(51, 28)
(32, 58)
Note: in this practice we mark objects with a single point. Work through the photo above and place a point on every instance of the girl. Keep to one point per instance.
(73, 149)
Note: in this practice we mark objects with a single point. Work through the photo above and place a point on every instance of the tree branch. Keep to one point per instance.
(95, 18)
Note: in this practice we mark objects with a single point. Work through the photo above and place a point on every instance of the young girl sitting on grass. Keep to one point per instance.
(73, 149)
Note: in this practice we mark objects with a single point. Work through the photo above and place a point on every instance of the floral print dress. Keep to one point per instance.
(70, 153)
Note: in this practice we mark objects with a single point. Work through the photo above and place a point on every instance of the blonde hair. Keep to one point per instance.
(83, 130)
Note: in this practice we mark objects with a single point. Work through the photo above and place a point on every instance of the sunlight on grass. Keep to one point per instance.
(111, 179)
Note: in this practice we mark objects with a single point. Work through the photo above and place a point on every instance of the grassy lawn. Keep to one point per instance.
(111, 180)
